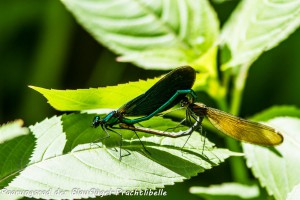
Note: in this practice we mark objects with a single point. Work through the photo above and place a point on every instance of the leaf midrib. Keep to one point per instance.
(164, 24)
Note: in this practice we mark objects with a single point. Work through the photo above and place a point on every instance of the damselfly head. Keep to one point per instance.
(96, 122)
(185, 102)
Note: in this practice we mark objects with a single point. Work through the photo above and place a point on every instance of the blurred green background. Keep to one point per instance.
(41, 44)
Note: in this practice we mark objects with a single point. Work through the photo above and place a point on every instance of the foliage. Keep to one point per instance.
(228, 191)
(266, 164)
(63, 155)
(63, 152)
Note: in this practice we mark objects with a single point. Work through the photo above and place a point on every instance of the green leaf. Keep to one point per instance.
(94, 98)
(276, 168)
(277, 111)
(295, 193)
(64, 159)
(257, 26)
(12, 130)
(15, 149)
(152, 34)
(227, 191)
(107, 97)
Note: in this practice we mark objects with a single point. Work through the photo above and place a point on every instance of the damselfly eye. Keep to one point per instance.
(96, 121)
(184, 102)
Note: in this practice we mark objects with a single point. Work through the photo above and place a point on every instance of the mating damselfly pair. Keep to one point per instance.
(174, 88)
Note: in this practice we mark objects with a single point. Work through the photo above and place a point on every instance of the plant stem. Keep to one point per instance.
(238, 166)
(239, 85)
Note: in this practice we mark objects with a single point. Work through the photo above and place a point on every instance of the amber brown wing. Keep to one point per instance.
(244, 130)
